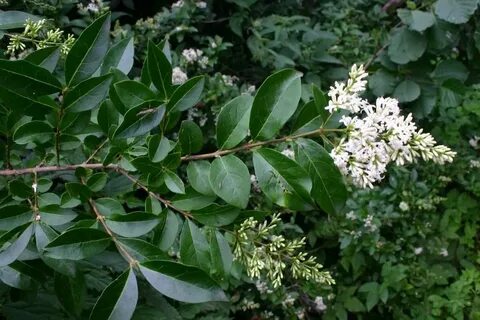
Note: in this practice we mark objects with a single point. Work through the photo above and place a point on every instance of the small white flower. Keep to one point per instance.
(34, 187)
(418, 250)
(288, 152)
(404, 206)
(178, 4)
(319, 304)
(229, 80)
(93, 7)
(474, 142)
(351, 216)
(251, 89)
(288, 301)
(474, 164)
(444, 252)
(178, 76)
(201, 4)
(192, 55)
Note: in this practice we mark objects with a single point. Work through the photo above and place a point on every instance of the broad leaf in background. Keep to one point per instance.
(282, 179)
(406, 46)
(118, 300)
(275, 102)
(12, 19)
(416, 20)
(455, 11)
(230, 180)
(233, 121)
(181, 282)
(77, 244)
(328, 188)
(88, 51)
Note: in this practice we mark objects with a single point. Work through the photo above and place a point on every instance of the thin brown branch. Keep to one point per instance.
(166, 202)
(70, 167)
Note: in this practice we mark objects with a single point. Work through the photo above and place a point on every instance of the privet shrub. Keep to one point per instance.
(101, 175)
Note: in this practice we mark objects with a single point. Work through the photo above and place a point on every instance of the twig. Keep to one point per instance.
(70, 167)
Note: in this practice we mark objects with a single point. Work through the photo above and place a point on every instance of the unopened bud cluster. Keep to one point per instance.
(265, 254)
(41, 36)
(377, 135)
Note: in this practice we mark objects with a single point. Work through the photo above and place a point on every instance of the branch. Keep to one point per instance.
(70, 167)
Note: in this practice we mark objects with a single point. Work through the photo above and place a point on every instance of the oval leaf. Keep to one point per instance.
(233, 121)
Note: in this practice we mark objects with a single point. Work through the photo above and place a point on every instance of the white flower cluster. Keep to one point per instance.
(201, 4)
(178, 76)
(178, 4)
(195, 55)
(377, 135)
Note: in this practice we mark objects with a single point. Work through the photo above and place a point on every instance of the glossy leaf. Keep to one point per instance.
(77, 244)
(230, 180)
(192, 200)
(194, 248)
(133, 224)
(46, 58)
(119, 56)
(12, 216)
(18, 239)
(173, 182)
(26, 79)
(142, 250)
(328, 188)
(88, 51)
(198, 173)
(118, 300)
(186, 95)
(131, 94)
(11, 19)
(233, 121)
(221, 254)
(158, 148)
(282, 179)
(169, 232)
(159, 70)
(180, 282)
(190, 137)
(140, 120)
(216, 215)
(275, 102)
(88, 94)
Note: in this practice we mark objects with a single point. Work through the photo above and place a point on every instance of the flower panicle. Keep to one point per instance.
(377, 134)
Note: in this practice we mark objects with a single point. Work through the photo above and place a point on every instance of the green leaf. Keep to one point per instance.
(159, 70)
(97, 181)
(416, 20)
(450, 69)
(407, 91)
(18, 240)
(180, 282)
(26, 79)
(119, 56)
(221, 254)
(71, 292)
(19, 275)
(131, 94)
(13, 216)
(186, 95)
(194, 249)
(54, 215)
(190, 137)
(109, 206)
(281, 179)
(140, 120)
(306, 114)
(455, 11)
(353, 304)
(33, 131)
(328, 188)
(230, 180)
(158, 148)
(170, 230)
(46, 58)
(233, 121)
(173, 182)
(118, 300)
(133, 224)
(321, 101)
(198, 173)
(382, 83)
(107, 116)
(88, 51)
(78, 244)
(20, 189)
(88, 94)
(406, 46)
(141, 250)
(192, 200)
(275, 102)
(216, 215)
(12, 19)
